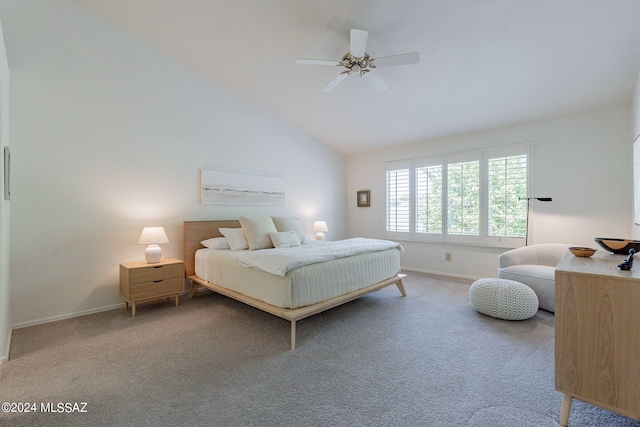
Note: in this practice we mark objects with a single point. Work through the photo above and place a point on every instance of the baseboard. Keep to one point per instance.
(72, 315)
(5, 357)
(65, 316)
(442, 274)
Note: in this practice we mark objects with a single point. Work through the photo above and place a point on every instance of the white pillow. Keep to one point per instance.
(216, 243)
(256, 230)
(290, 223)
(235, 237)
(285, 239)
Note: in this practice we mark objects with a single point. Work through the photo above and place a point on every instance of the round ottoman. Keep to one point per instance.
(503, 299)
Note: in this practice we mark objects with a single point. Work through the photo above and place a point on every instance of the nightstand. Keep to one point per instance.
(140, 281)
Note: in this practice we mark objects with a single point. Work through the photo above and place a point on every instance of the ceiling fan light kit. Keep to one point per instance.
(359, 65)
(357, 61)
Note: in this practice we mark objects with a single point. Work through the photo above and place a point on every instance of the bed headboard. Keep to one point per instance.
(197, 231)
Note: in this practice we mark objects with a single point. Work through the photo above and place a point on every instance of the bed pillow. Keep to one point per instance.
(285, 239)
(257, 230)
(235, 237)
(290, 223)
(216, 243)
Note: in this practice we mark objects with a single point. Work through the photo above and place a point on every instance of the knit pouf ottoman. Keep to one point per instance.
(503, 299)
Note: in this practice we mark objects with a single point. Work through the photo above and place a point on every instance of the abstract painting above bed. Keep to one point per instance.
(231, 188)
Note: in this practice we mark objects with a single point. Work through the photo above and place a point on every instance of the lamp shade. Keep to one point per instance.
(320, 226)
(153, 236)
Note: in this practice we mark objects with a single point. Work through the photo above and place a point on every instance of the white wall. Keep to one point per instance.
(5, 308)
(108, 136)
(583, 162)
(635, 108)
(635, 111)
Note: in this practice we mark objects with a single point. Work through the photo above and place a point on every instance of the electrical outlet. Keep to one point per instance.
(447, 256)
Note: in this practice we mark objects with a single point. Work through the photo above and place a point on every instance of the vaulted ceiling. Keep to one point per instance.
(484, 63)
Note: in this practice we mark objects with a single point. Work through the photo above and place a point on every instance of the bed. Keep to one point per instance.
(305, 288)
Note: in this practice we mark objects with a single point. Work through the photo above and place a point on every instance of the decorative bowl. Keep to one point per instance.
(581, 251)
(618, 246)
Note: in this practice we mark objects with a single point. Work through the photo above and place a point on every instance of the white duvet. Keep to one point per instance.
(279, 261)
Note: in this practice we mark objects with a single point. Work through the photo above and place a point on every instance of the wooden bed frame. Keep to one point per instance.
(197, 231)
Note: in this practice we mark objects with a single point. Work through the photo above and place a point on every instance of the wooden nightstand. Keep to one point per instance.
(140, 281)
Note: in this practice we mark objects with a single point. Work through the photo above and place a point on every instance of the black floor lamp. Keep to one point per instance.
(528, 199)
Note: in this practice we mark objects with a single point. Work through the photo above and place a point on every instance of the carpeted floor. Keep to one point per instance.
(425, 360)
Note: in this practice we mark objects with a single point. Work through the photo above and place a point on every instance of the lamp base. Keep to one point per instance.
(153, 253)
(319, 235)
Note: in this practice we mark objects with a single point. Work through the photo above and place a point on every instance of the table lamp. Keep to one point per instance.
(153, 236)
(320, 227)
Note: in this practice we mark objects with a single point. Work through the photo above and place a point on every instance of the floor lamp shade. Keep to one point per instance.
(153, 236)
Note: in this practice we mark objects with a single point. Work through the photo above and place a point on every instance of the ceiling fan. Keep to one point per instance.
(357, 61)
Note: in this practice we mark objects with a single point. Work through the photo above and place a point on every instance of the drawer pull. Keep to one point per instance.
(157, 281)
(158, 266)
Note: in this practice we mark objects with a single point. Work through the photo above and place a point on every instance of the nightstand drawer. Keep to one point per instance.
(155, 288)
(153, 273)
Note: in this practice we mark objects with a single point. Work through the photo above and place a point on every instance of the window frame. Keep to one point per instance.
(508, 151)
(457, 158)
(396, 166)
(420, 163)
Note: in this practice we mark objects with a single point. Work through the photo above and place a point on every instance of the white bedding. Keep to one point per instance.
(280, 261)
(301, 286)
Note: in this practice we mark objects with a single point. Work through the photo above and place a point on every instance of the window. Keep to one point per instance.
(507, 186)
(474, 198)
(398, 203)
(463, 198)
(429, 199)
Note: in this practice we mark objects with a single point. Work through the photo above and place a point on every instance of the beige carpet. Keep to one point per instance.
(425, 360)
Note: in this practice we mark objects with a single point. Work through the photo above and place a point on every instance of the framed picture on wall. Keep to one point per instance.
(364, 198)
(237, 189)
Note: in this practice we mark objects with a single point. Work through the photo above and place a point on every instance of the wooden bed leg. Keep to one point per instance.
(400, 285)
(293, 335)
(194, 288)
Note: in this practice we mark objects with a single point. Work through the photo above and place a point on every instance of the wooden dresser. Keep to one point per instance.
(597, 346)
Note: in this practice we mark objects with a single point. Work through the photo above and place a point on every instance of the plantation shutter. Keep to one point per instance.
(429, 186)
(507, 188)
(463, 198)
(476, 197)
(508, 170)
(398, 206)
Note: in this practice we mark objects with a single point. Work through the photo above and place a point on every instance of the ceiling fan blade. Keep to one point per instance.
(401, 59)
(335, 82)
(375, 81)
(316, 62)
(358, 43)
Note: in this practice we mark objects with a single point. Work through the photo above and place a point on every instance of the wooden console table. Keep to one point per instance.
(597, 345)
